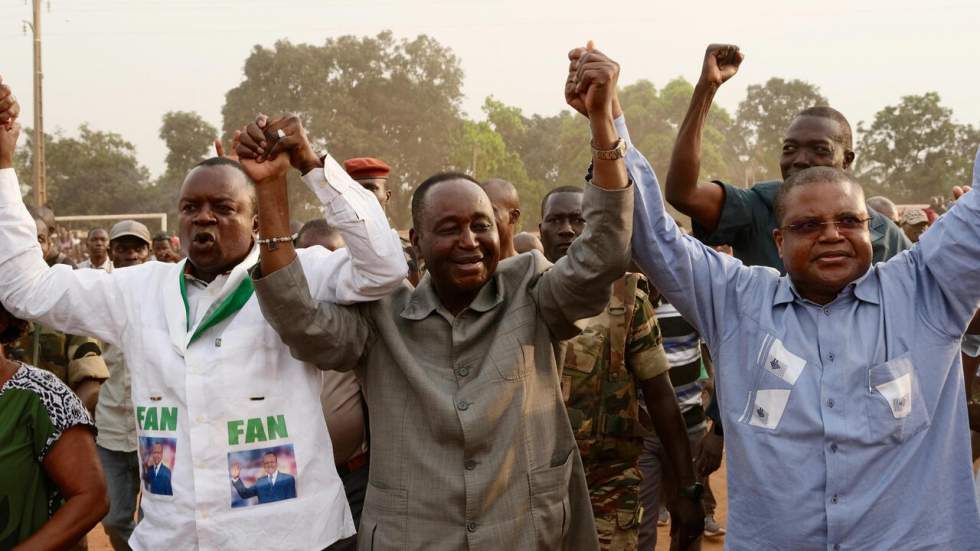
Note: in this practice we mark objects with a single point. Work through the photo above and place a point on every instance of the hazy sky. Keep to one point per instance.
(121, 64)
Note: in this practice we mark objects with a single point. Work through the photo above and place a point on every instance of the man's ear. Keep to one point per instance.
(848, 159)
(413, 238)
(515, 216)
(777, 236)
(255, 224)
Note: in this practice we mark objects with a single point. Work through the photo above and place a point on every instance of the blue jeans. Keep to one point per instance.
(122, 476)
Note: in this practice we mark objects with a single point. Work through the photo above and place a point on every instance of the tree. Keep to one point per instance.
(397, 100)
(763, 117)
(95, 173)
(189, 138)
(915, 150)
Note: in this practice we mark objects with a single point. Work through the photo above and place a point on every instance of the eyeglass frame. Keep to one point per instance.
(796, 229)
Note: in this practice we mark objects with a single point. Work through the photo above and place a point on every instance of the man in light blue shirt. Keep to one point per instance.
(840, 383)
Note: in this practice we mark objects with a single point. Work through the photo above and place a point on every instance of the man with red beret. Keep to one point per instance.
(372, 174)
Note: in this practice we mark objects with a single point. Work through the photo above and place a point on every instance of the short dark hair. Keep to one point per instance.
(317, 226)
(812, 175)
(845, 137)
(225, 161)
(93, 230)
(162, 236)
(559, 189)
(418, 198)
(16, 327)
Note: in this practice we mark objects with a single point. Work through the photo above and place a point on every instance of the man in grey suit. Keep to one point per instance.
(471, 444)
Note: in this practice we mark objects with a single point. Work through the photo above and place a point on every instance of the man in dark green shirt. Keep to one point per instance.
(743, 218)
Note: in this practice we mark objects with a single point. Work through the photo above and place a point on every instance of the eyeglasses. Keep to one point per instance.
(844, 224)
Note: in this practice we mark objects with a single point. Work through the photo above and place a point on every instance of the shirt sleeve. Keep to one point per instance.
(372, 264)
(646, 356)
(58, 409)
(945, 265)
(703, 285)
(327, 335)
(579, 285)
(736, 221)
(81, 302)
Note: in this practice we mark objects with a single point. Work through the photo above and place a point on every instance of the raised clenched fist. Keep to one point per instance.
(721, 62)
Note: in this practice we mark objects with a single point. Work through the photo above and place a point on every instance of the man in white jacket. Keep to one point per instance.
(212, 383)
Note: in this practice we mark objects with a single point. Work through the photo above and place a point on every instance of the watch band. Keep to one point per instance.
(273, 242)
(618, 151)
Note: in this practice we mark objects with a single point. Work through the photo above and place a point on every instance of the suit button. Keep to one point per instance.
(834, 499)
(833, 447)
(469, 465)
(463, 371)
(830, 403)
(463, 405)
(471, 527)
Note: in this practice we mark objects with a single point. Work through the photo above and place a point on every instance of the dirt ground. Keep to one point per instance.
(97, 540)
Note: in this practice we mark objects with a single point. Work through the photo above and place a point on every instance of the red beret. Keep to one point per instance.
(366, 167)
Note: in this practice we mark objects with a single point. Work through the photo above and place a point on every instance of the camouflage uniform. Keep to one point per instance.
(72, 359)
(601, 370)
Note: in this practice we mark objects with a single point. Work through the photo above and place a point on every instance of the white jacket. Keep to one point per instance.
(226, 395)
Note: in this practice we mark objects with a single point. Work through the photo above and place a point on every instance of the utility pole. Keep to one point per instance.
(39, 181)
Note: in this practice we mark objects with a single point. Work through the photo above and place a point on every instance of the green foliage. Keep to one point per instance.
(397, 100)
(915, 150)
(763, 117)
(95, 173)
(189, 138)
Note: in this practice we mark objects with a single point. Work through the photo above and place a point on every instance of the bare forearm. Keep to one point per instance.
(683, 190)
(70, 523)
(670, 427)
(274, 222)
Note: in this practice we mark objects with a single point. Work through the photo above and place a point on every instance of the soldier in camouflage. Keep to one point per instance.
(618, 358)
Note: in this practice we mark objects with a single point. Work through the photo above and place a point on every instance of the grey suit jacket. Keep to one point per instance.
(470, 442)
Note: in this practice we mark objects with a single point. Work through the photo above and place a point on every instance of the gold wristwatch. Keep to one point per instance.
(618, 151)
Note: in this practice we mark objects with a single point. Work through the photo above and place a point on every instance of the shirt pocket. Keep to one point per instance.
(777, 371)
(384, 521)
(550, 505)
(895, 408)
(511, 356)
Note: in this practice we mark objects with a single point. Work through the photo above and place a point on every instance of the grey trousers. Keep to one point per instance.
(657, 482)
(122, 476)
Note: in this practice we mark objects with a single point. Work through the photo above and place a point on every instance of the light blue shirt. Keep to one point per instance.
(845, 424)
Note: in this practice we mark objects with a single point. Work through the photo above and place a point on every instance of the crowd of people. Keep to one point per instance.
(332, 385)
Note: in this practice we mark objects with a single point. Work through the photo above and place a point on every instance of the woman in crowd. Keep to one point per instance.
(52, 491)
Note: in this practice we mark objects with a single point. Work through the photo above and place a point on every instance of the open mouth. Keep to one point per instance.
(203, 239)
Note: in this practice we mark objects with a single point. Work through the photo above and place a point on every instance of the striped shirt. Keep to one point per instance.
(683, 346)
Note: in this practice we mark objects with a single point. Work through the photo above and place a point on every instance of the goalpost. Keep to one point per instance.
(159, 216)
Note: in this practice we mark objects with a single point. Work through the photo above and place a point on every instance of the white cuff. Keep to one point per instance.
(620, 124)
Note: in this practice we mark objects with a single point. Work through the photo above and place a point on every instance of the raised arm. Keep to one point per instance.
(578, 285)
(372, 264)
(947, 262)
(702, 284)
(702, 201)
(87, 302)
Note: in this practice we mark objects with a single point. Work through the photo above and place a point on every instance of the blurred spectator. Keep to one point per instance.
(165, 248)
(884, 206)
(97, 246)
(53, 488)
(914, 222)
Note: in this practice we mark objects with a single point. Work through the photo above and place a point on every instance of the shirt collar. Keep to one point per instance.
(877, 226)
(424, 300)
(864, 288)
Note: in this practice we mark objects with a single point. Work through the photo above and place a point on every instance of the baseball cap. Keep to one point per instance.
(913, 216)
(130, 227)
